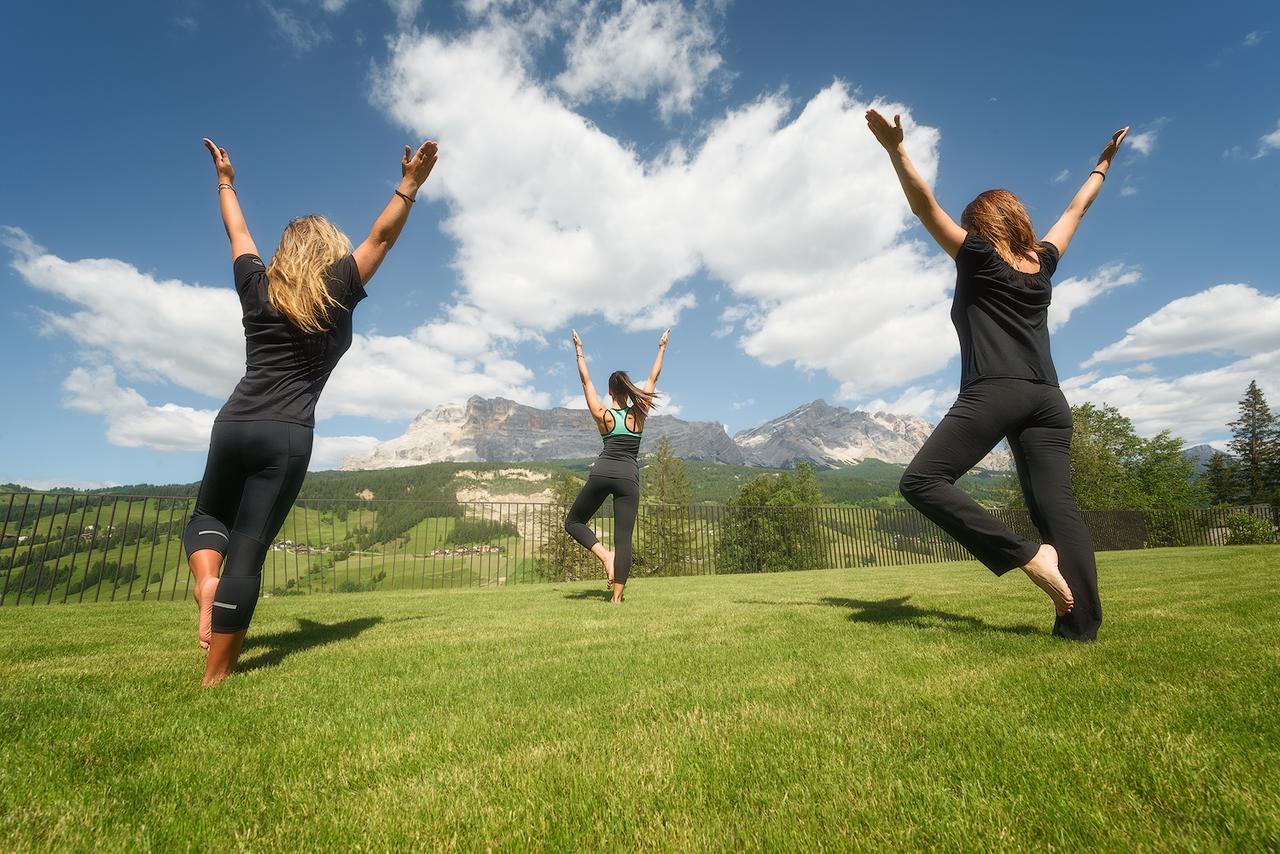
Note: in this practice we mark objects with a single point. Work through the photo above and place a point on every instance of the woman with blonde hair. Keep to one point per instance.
(616, 472)
(297, 325)
(1008, 387)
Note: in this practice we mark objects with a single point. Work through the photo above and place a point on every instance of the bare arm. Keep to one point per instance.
(919, 195)
(1065, 228)
(414, 169)
(232, 217)
(652, 382)
(589, 390)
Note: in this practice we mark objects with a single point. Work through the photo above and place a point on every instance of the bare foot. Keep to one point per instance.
(224, 653)
(617, 594)
(205, 591)
(1043, 570)
(608, 568)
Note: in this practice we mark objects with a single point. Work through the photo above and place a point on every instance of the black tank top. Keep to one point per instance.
(620, 456)
(285, 368)
(1002, 315)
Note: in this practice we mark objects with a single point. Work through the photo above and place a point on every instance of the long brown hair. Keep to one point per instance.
(296, 285)
(999, 216)
(625, 394)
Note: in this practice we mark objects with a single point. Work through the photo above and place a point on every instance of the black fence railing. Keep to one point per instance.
(63, 547)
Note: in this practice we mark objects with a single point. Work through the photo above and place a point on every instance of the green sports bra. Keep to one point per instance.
(620, 425)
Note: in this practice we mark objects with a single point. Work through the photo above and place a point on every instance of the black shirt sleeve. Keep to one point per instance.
(345, 284)
(247, 267)
(1049, 256)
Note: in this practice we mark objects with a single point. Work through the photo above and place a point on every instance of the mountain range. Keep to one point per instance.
(501, 430)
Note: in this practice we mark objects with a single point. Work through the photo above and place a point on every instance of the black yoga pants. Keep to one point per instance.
(626, 503)
(253, 474)
(1036, 420)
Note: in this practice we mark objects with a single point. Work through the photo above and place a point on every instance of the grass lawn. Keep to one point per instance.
(923, 706)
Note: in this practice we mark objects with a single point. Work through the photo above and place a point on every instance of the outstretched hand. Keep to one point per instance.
(662, 342)
(221, 162)
(1113, 146)
(415, 166)
(577, 342)
(888, 135)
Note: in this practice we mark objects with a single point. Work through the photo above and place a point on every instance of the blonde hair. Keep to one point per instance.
(999, 216)
(296, 276)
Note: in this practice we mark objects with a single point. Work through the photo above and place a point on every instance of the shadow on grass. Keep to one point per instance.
(274, 648)
(896, 611)
(600, 594)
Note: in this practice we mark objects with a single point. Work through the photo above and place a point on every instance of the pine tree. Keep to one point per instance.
(1221, 479)
(662, 539)
(1255, 444)
(664, 476)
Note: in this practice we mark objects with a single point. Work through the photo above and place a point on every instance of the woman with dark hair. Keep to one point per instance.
(1008, 387)
(297, 324)
(616, 471)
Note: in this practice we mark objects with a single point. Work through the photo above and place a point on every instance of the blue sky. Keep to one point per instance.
(614, 166)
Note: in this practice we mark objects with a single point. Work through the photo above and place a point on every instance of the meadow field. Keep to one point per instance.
(922, 706)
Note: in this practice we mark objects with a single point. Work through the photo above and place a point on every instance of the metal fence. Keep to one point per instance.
(63, 547)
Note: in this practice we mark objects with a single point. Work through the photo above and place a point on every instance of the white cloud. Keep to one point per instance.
(157, 330)
(798, 212)
(1195, 406)
(327, 452)
(658, 47)
(167, 331)
(1062, 176)
(928, 403)
(1234, 319)
(1075, 292)
(1254, 38)
(334, 6)
(743, 404)
(301, 34)
(1268, 142)
(573, 401)
(41, 484)
(1128, 190)
(405, 11)
(132, 422)
(1142, 143)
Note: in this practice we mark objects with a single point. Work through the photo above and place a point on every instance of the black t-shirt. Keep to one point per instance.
(1002, 315)
(285, 368)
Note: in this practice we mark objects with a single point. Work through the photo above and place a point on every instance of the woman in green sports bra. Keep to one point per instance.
(616, 471)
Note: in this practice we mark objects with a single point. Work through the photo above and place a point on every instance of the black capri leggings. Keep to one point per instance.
(1037, 421)
(253, 474)
(626, 503)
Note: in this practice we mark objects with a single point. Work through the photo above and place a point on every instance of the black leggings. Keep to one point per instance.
(626, 503)
(253, 474)
(1037, 422)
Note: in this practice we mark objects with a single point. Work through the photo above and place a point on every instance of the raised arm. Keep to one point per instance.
(652, 382)
(232, 217)
(1065, 228)
(926, 208)
(589, 390)
(415, 166)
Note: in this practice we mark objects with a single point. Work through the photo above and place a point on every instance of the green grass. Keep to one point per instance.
(837, 709)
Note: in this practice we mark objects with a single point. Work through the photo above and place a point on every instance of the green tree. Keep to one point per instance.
(1255, 443)
(1221, 479)
(561, 558)
(770, 525)
(1113, 468)
(665, 480)
(664, 529)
